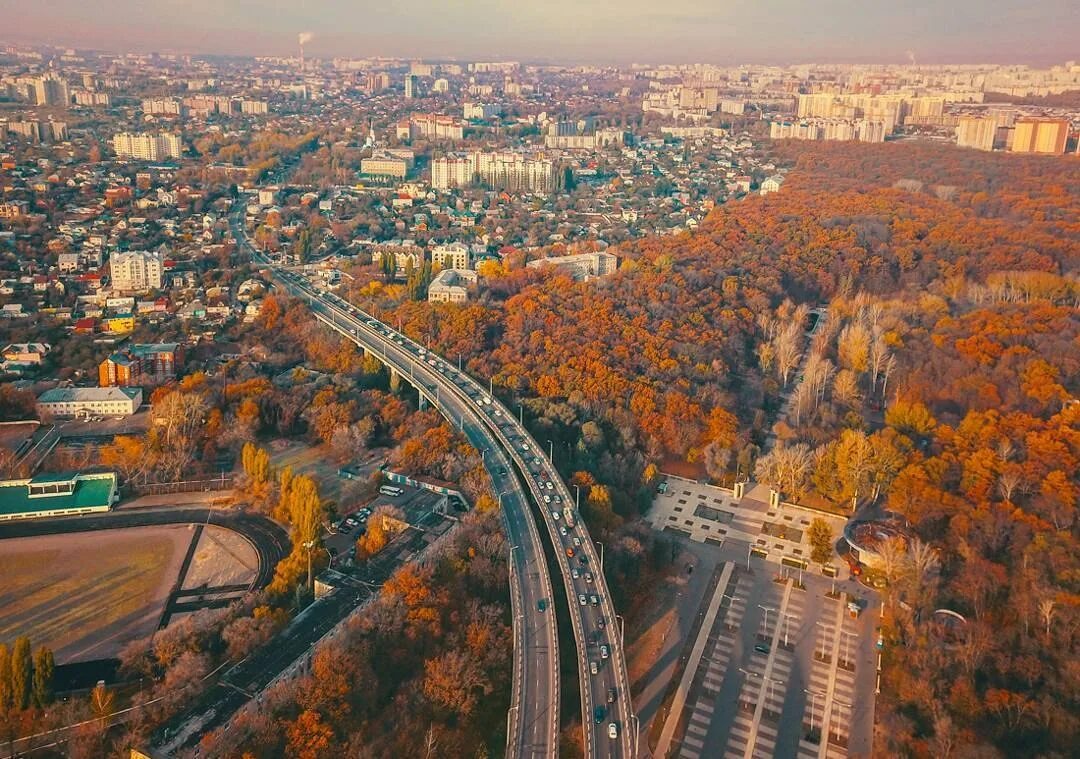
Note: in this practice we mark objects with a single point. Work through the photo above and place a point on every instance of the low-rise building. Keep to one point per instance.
(69, 402)
(454, 255)
(583, 266)
(451, 286)
(19, 356)
(57, 494)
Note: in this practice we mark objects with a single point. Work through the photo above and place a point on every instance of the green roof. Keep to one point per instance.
(91, 491)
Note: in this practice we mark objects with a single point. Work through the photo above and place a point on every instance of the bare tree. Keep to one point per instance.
(1047, 612)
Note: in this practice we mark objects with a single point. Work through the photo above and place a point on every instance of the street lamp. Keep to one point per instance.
(842, 705)
(748, 550)
(766, 609)
(551, 451)
(577, 497)
(825, 629)
(521, 415)
(597, 542)
(813, 705)
(748, 674)
(505, 492)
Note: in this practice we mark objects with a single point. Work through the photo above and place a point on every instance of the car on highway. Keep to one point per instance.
(594, 600)
(542, 605)
(611, 693)
(570, 552)
(588, 577)
(598, 714)
(604, 651)
(612, 731)
(577, 542)
(547, 499)
(582, 600)
(563, 531)
(575, 573)
(555, 516)
(549, 485)
(502, 471)
(594, 667)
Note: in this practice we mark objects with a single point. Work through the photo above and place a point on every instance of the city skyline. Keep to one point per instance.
(841, 31)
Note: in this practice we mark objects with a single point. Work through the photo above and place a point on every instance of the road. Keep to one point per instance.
(533, 720)
(610, 727)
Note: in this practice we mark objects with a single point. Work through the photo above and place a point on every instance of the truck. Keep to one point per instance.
(568, 515)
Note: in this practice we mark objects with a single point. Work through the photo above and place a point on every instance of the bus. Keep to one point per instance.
(391, 490)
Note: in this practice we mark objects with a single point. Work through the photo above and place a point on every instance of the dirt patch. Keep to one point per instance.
(222, 557)
(86, 595)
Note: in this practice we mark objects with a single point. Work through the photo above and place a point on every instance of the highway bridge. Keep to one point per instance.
(519, 469)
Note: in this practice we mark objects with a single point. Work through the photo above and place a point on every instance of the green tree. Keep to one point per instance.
(821, 541)
(22, 669)
(44, 669)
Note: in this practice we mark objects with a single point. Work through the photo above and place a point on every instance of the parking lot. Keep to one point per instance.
(415, 503)
(780, 665)
(784, 670)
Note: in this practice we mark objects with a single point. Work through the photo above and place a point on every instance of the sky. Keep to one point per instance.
(588, 31)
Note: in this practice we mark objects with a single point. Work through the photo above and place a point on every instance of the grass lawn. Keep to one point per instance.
(86, 595)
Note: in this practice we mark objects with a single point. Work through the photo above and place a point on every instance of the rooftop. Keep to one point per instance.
(50, 491)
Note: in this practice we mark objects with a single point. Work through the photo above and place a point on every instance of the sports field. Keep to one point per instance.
(86, 595)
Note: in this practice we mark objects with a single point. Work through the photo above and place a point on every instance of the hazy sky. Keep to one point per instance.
(1036, 31)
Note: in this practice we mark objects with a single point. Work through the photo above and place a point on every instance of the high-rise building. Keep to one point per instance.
(377, 82)
(504, 170)
(163, 106)
(1040, 135)
(51, 90)
(412, 84)
(976, 132)
(137, 271)
(91, 98)
(254, 107)
(481, 111)
(154, 146)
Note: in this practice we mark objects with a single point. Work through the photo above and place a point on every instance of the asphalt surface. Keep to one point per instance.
(465, 402)
(533, 718)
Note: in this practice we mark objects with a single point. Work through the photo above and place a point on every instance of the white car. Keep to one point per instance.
(547, 498)
(612, 730)
(555, 515)
(582, 600)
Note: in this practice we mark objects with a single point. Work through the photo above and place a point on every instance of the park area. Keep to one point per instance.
(87, 594)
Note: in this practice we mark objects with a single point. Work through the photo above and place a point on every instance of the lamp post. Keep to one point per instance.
(766, 609)
(551, 452)
(601, 555)
(824, 628)
(842, 705)
(577, 497)
(813, 705)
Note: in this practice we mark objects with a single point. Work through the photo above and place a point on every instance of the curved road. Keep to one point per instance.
(269, 539)
(605, 696)
(533, 719)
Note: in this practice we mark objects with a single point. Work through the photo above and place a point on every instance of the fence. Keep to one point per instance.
(224, 482)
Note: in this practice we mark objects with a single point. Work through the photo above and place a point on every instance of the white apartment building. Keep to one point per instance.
(481, 111)
(154, 146)
(89, 401)
(255, 107)
(503, 170)
(453, 255)
(581, 267)
(137, 271)
(448, 172)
